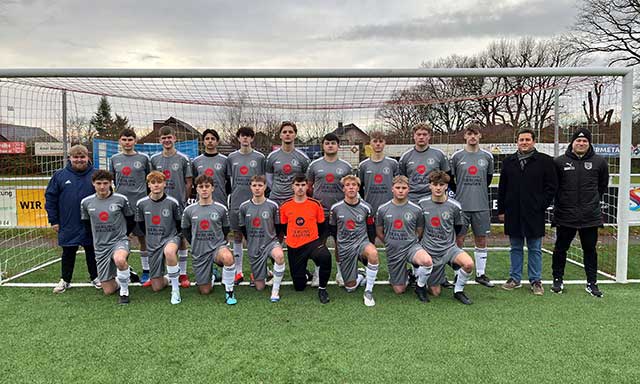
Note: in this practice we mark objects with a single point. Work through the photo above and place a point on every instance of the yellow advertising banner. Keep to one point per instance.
(30, 208)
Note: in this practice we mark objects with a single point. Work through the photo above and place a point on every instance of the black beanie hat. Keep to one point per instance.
(581, 132)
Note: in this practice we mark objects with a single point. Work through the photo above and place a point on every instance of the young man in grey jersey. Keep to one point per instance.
(442, 222)
(324, 175)
(176, 167)
(130, 169)
(472, 170)
(110, 219)
(258, 219)
(213, 164)
(205, 224)
(351, 222)
(159, 217)
(377, 173)
(400, 224)
(242, 165)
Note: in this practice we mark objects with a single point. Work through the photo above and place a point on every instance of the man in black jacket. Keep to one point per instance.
(528, 184)
(583, 177)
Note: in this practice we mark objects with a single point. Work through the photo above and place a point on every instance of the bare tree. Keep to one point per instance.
(401, 113)
(591, 108)
(80, 131)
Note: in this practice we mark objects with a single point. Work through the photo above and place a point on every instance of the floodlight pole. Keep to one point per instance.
(556, 122)
(624, 182)
(64, 129)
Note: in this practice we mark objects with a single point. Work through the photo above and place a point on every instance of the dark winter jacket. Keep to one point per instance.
(524, 195)
(581, 184)
(66, 189)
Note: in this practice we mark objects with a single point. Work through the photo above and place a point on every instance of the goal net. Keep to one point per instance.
(43, 113)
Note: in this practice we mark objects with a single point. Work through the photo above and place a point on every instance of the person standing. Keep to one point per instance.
(213, 164)
(67, 187)
(376, 173)
(528, 184)
(583, 177)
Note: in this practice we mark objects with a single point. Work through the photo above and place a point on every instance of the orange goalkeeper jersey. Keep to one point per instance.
(302, 221)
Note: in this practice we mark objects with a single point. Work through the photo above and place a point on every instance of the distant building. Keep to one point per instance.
(350, 134)
(184, 131)
(29, 135)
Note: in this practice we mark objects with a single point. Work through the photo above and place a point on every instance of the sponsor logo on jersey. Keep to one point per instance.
(421, 169)
(244, 170)
(473, 170)
(104, 216)
(167, 173)
(378, 178)
(330, 178)
(208, 172)
(155, 219)
(126, 171)
(256, 222)
(204, 224)
(435, 221)
(397, 224)
(300, 221)
(350, 224)
(287, 168)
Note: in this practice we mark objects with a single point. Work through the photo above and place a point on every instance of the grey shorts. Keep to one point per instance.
(480, 222)
(107, 269)
(440, 260)
(397, 265)
(234, 219)
(157, 267)
(349, 261)
(259, 262)
(203, 266)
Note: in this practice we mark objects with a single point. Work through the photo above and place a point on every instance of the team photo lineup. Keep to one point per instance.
(284, 206)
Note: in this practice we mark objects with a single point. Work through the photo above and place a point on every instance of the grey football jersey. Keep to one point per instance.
(377, 179)
(439, 221)
(285, 166)
(351, 221)
(176, 169)
(417, 166)
(108, 222)
(399, 223)
(216, 167)
(260, 221)
(471, 171)
(241, 168)
(160, 218)
(130, 173)
(325, 177)
(206, 222)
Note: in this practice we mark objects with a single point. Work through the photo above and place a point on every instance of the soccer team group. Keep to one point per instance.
(406, 204)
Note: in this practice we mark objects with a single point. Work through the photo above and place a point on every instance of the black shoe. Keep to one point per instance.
(123, 299)
(593, 290)
(412, 278)
(133, 276)
(484, 280)
(323, 295)
(557, 286)
(461, 297)
(447, 285)
(422, 294)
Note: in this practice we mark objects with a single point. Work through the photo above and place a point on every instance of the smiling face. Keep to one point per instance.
(167, 141)
(350, 189)
(580, 146)
(525, 142)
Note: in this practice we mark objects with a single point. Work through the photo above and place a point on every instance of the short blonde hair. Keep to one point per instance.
(78, 149)
(400, 179)
(423, 126)
(350, 178)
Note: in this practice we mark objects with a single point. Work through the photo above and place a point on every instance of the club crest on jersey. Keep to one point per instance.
(340, 171)
(218, 166)
(113, 207)
(358, 217)
(214, 216)
(482, 163)
(446, 215)
(265, 215)
(408, 216)
(588, 165)
(165, 212)
(137, 165)
(386, 170)
(294, 162)
(175, 166)
(253, 163)
(431, 161)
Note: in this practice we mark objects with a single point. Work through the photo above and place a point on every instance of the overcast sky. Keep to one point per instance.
(263, 34)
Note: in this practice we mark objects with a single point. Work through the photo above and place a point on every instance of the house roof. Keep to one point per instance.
(179, 125)
(12, 132)
(343, 129)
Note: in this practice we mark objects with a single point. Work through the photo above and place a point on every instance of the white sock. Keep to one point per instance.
(422, 275)
(228, 274)
(358, 281)
(316, 271)
(182, 261)
(122, 278)
(144, 259)
(372, 272)
(463, 276)
(338, 273)
(237, 255)
(278, 274)
(173, 271)
(481, 260)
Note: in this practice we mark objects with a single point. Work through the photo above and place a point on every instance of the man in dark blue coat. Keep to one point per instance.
(67, 187)
(583, 178)
(528, 184)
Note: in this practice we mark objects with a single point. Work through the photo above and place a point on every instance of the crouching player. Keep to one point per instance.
(158, 216)
(442, 222)
(258, 219)
(400, 224)
(205, 225)
(351, 223)
(110, 218)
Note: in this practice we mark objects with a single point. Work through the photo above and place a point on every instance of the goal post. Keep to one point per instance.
(58, 101)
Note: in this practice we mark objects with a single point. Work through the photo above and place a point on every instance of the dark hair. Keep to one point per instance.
(526, 130)
(473, 128)
(102, 174)
(289, 124)
(423, 126)
(439, 177)
(245, 131)
(127, 132)
(331, 137)
(376, 135)
(299, 178)
(167, 130)
(210, 132)
(203, 179)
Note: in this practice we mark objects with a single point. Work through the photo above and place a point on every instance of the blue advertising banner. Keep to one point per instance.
(104, 149)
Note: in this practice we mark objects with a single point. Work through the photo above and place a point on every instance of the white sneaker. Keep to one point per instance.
(175, 297)
(315, 281)
(96, 283)
(339, 279)
(368, 299)
(61, 286)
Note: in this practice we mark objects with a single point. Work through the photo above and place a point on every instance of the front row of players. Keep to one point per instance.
(422, 235)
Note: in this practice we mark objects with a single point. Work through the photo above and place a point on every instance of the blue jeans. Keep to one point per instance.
(534, 269)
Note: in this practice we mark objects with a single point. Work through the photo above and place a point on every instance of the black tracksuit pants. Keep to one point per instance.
(69, 261)
(588, 240)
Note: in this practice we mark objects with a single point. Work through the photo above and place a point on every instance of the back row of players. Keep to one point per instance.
(401, 202)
